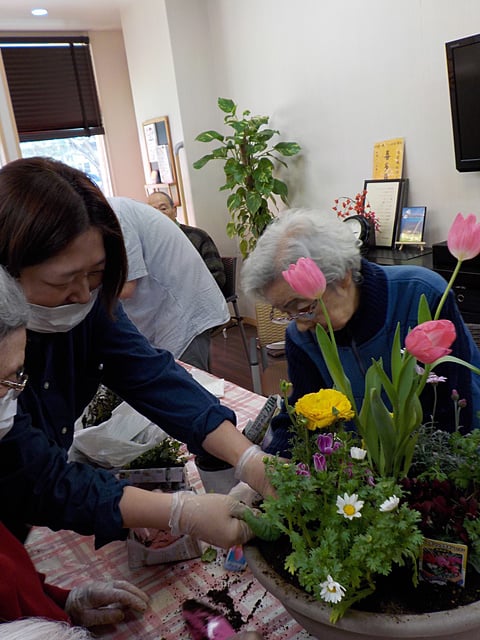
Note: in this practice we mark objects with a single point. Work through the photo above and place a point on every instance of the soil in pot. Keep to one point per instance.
(395, 593)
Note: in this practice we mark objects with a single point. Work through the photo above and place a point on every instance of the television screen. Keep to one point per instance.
(463, 64)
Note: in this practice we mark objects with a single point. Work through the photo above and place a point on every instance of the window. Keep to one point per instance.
(55, 103)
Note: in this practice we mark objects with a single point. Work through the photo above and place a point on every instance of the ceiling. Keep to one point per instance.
(64, 15)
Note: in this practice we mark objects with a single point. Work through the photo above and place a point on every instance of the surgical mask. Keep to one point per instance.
(59, 319)
(8, 410)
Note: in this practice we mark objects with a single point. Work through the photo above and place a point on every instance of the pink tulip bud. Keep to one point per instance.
(464, 237)
(462, 403)
(455, 395)
(431, 340)
(306, 278)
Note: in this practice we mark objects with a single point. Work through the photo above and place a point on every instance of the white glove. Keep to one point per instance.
(244, 493)
(211, 517)
(103, 602)
(251, 469)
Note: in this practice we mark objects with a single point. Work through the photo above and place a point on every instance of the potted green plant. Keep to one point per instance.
(358, 506)
(250, 160)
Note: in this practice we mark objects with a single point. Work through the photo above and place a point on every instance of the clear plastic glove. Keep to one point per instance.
(251, 469)
(103, 602)
(244, 493)
(211, 517)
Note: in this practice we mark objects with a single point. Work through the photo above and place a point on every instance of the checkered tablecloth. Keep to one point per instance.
(69, 559)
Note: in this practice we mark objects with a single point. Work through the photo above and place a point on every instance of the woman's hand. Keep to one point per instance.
(103, 602)
(211, 517)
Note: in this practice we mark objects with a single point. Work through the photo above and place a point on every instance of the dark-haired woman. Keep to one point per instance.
(61, 240)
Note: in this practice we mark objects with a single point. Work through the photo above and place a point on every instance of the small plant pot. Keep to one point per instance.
(217, 476)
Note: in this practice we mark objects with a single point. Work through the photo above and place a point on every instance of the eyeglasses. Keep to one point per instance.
(18, 384)
(308, 314)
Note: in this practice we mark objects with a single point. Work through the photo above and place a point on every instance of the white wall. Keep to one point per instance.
(334, 75)
(338, 76)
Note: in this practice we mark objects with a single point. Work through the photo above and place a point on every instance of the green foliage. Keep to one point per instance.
(249, 162)
(323, 541)
(101, 406)
(165, 454)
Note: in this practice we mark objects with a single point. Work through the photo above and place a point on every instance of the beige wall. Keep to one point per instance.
(121, 133)
(334, 75)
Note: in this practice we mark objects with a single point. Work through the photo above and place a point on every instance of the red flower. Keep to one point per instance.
(431, 340)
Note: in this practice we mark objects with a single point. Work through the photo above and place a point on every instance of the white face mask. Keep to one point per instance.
(8, 409)
(59, 319)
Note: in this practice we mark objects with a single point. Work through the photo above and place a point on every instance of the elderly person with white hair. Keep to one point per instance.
(365, 301)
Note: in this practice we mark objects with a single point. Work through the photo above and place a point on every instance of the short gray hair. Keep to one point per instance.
(41, 629)
(301, 233)
(13, 305)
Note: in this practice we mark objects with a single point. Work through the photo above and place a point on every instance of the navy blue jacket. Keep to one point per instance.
(37, 485)
(388, 295)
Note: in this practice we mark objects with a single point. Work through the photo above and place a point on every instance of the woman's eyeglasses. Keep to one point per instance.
(18, 384)
(309, 314)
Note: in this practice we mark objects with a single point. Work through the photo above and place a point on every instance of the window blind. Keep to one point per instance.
(52, 87)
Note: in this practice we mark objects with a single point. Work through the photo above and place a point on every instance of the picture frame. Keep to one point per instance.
(387, 198)
(159, 149)
(411, 225)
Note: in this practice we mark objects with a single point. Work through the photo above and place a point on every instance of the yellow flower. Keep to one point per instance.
(324, 408)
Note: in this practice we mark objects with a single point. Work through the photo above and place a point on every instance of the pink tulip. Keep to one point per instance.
(306, 278)
(431, 340)
(464, 237)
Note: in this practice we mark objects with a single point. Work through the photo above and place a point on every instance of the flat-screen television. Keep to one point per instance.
(463, 64)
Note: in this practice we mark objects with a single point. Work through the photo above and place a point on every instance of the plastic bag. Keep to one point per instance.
(117, 441)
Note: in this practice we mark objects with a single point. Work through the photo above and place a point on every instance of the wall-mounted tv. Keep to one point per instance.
(463, 65)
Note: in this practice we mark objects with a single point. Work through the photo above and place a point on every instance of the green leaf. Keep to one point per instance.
(280, 188)
(227, 105)
(253, 200)
(198, 164)
(424, 312)
(287, 148)
(260, 527)
(208, 136)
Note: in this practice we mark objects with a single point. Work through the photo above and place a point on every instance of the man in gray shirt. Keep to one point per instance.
(170, 294)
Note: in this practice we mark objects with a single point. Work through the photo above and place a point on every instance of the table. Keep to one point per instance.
(69, 559)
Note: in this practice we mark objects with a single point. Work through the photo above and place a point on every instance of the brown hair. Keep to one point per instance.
(45, 205)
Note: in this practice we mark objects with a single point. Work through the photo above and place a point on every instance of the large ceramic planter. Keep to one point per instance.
(456, 624)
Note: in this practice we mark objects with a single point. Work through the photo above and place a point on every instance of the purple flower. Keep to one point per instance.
(319, 462)
(302, 469)
(326, 443)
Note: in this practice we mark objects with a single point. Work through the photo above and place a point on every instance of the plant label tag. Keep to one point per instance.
(441, 562)
(235, 560)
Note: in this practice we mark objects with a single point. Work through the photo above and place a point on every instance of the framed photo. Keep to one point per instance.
(411, 225)
(159, 148)
(386, 198)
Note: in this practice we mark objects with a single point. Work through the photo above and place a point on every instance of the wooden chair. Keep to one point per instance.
(268, 332)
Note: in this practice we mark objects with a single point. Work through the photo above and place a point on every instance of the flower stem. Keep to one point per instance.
(447, 290)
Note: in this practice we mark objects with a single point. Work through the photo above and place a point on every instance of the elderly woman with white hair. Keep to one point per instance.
(365, 301)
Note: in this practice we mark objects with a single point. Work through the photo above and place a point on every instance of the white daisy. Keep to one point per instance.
(331, 591)
(349, 506)
(357, 453)
(390, 504)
